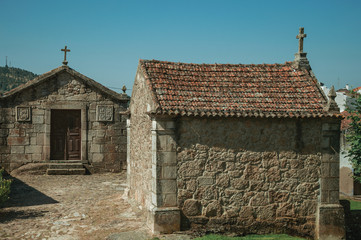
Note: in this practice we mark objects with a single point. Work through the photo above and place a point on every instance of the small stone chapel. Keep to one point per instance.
(248, 148)
(65, 119)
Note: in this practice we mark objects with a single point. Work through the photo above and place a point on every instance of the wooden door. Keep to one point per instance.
(65, 135)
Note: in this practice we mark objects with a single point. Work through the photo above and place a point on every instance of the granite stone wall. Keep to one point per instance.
(249, 175)
(139, 168)
(26, 117)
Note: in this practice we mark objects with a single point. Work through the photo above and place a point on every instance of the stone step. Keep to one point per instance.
(76, 171)
(65, 161)
(65, 165)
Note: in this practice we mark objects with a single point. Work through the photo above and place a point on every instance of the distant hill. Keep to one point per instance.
(11, 77)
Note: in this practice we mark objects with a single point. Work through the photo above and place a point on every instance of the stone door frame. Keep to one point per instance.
(66, 105)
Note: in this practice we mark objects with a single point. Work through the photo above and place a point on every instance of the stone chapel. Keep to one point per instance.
(235, 147)
(65, 119)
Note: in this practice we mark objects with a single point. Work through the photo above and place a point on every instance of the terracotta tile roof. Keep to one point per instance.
(356, 89)
(265, 90)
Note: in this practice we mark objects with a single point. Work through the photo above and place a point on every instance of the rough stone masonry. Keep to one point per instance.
(235, 147)
(30, 112)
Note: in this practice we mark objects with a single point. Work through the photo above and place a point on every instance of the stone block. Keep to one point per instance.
(164, 125)
(36, 157)
(100, 133)
(334, 170)
(17, 149)
(334, 197)
(166, 143)
(96, 148)
(165, 220)
(97, 157)
(169, 172)
(40, 139)
(38, 119)
(39, 128)
(204, 181)
(4, 132)
(247, 212)
(192, 207)
(16, 132)
(169, 158)
(325, 169)
(4, 149)
(169, 200)
(324, 196)
(330, 222)
(37, 111)
(32, 140)
(213, 209)
(34, 149)
(168, 186)
(20, 157)
(15, 141)
(330, 184)
(266, 212)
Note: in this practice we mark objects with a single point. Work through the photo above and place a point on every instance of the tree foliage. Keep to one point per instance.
(354, 137)
(4, 188)
(11, 77)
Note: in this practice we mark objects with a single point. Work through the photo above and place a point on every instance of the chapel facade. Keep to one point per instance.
(63, 116)
(235, 147)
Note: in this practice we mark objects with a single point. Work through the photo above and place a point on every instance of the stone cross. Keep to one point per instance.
(301, 36)
(65, 62)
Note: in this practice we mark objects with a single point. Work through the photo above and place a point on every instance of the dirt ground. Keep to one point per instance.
(87, 207)
(72, 207)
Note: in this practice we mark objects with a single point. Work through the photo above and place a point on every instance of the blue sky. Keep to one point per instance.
(107, 38)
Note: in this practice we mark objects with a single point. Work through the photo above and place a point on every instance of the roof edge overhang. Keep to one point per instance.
(248, 115)
(48, 75)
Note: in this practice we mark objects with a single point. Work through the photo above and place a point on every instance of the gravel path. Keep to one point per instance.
(70, 207)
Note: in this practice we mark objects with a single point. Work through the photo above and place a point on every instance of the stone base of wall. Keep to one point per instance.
(164, 220)
(330, 222)
(302, 227)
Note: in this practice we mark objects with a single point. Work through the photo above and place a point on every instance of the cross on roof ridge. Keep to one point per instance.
(301, 36)
(65, 50)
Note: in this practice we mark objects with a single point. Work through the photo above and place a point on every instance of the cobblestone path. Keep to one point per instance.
(70, 207)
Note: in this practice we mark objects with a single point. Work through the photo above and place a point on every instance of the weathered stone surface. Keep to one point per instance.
(28, 121)
(213, 209)
(192, 207)
(275, 182)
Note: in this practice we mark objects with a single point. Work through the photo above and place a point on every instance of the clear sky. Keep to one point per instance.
(107, 38)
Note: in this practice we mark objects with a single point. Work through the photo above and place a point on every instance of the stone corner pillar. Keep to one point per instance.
(164, 214)
(330, 216)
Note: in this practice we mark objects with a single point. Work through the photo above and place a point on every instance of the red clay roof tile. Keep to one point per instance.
(272, 90)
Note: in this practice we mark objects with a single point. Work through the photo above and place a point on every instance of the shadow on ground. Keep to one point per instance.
(22, 195)
(353, 224)
(9, 215)
(352, 221)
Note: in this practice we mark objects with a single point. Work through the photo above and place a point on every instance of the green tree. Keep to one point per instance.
(353, 137)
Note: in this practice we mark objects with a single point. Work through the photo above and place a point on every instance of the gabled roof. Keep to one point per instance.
(265, 90)
(46, 76)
